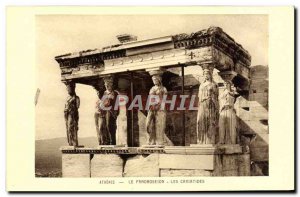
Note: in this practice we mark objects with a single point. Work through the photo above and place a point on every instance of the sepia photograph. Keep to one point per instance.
(151, 96)
(150, 99)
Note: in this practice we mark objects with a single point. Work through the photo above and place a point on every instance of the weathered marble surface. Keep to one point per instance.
(169, 161)
(106, 165)
(76, 165)
(244, 164)
(142, 165)
(229, 162)
(121, 134)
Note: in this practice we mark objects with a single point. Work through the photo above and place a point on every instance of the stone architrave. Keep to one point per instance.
(71, 114)
(208, 109)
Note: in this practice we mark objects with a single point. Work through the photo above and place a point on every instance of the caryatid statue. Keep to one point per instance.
(157, 117)
(227, 119)
(208, 109)
(106, 114)
(71, 114)
(102, 132)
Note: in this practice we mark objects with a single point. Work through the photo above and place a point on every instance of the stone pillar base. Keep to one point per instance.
(181, 161)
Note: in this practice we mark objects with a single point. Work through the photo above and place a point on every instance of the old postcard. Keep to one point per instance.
(150, 99)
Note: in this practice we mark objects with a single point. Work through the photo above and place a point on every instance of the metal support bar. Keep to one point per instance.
(183, 111)
(132, 115)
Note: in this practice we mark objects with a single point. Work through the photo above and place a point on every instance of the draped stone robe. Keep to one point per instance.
(105, 120)
(227, 120)
(156, 119)
(71, 118)
(208, 110)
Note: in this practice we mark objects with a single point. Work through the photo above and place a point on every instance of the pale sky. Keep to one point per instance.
(60, 34)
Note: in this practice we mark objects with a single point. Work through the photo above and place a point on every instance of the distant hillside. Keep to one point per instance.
(48, 155)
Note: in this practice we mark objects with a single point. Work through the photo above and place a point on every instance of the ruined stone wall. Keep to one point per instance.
(252, 113)
(258, 107)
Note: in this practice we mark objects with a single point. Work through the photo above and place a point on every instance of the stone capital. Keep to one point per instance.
(108, 78)
(227, 75)
(209, 66)
(156, 71)
(69, 83)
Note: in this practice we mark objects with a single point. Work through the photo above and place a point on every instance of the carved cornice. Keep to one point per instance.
(205, 46)
(96, 59)
(216, 37)
(112, 150)
(182, 150)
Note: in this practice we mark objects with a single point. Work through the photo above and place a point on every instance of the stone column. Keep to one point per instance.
(122, 120)
(71, 114)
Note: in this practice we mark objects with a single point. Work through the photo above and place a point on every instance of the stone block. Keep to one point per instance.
(175, 150)
(253, 104)
(184, 173)
(106, 165)
(193, 149)
(170, 161)
(261, 140)
(253, 126)
(230, 172)
(244, 165)
(76, 165)
(259, 112)
(217, 166)
(241, 102)
(231, 148)
(259, 153)
(229, 162)
(142, 166)
(243, 114)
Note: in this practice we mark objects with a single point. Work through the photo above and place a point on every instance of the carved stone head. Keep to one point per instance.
(207, 74)
(108, 83)
(71, 88)
(227, 84)
(157, 80)
(207, 71)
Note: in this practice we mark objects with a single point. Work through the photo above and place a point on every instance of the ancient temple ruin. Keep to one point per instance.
(130, 68)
